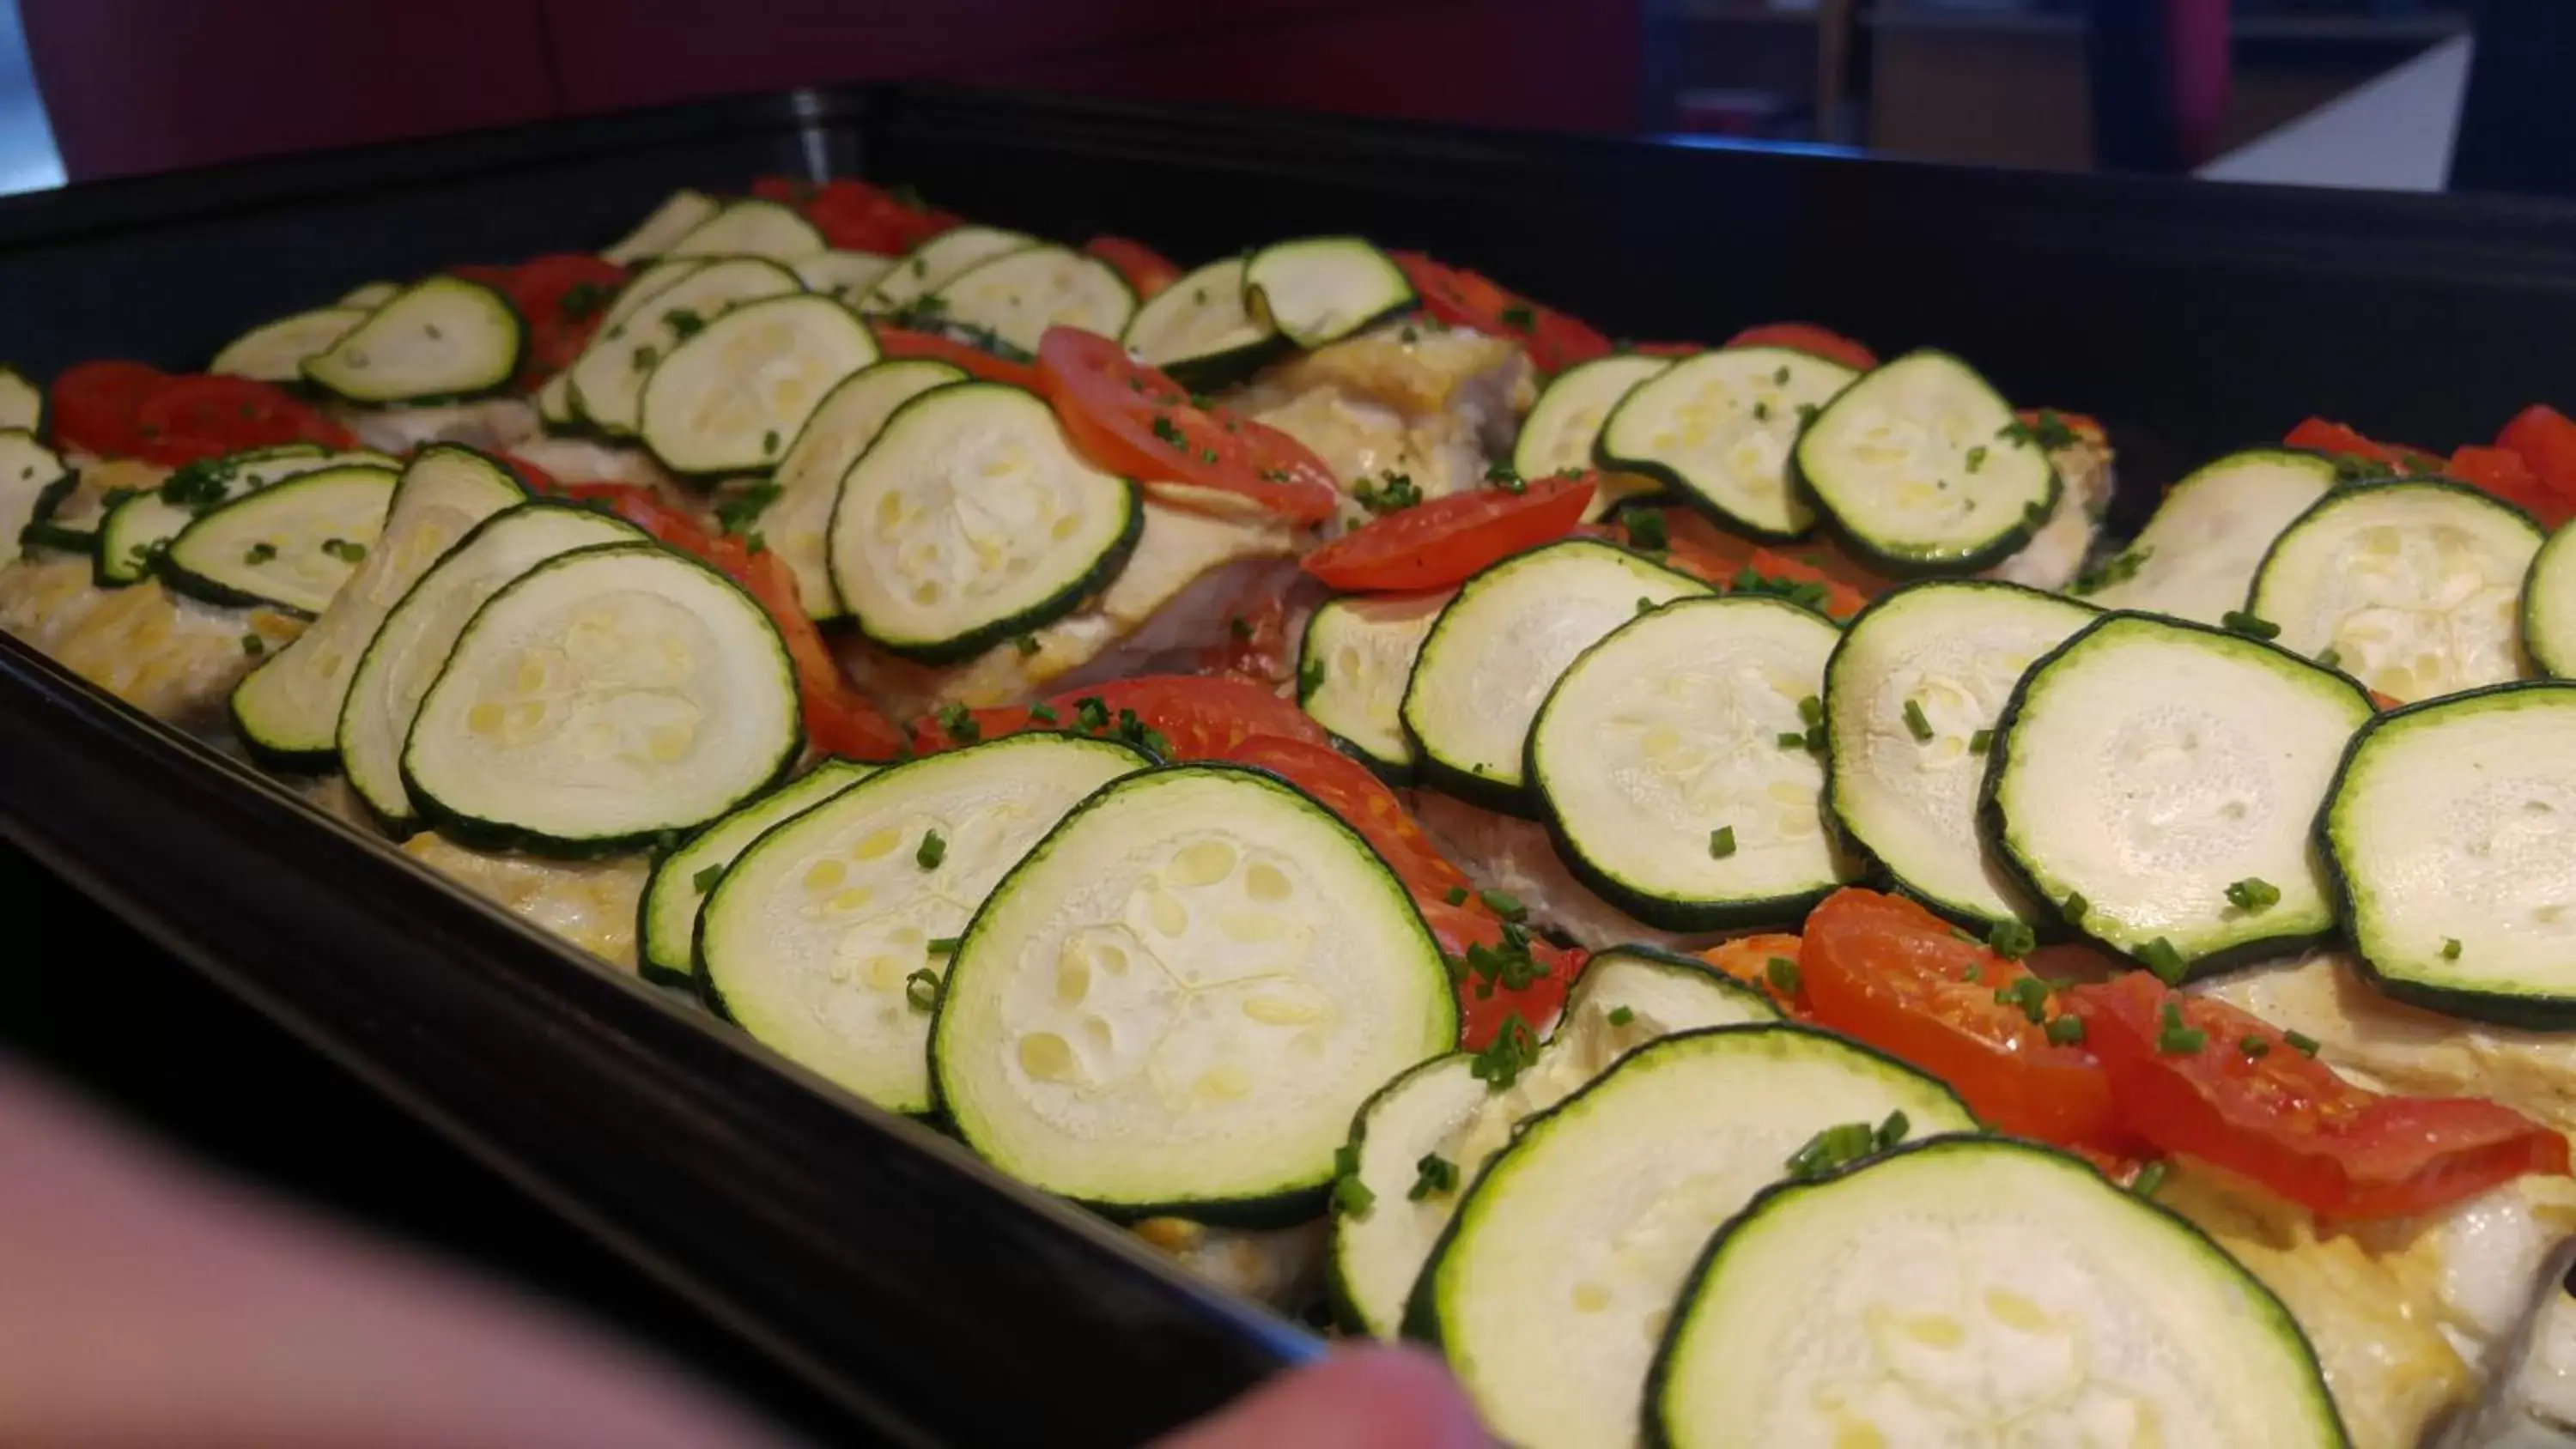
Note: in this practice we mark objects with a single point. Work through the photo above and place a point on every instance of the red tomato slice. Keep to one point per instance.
(2546, 439)
(838, 719)
(1445, 540)
(2084, 425)
(1554, 340)
(93, 405)
(1364, 802)
(855, 216)
(562, 298)
(1132, 419)
(1145, 269)
(198, 416)
(904, 342)
(2502, 473)
(1482, 1015)
(1809, 338)
(2322, 436)
(1748, 959)
(1889, 972)
(2189, 1082)
(1200, 717)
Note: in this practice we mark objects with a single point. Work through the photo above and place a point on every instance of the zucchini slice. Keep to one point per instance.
(795, 523)
(2412, 587)
(732, 395)
(1911, 1279)
(368, 296)
(28, 472)
(604, 698)
(666, 927)
(1322, 289)
(1017, 296)
(937, 262)
(1497, 649)
(680, 213)
(2157, 782)
(68, 516)
(1353, 665)
(1628, 996)
(2196, 558)
(1673, 767)
(2448, 835)
(647, 285)
(845, 277)
(1199, 330)
(444, 337)
(291, 546)
(751, 227)
(1563, 429)
(1548, 1293)
(969, 520)
(288, 711)
(1923, 468)
(276, 351)
(133, 534)
(412, 644)
(2549, 607)
(1719, 429)
(1912, 697)
(22, 403)
(608, 377)
(1177, 1001)
(554, 403)
(819, 941)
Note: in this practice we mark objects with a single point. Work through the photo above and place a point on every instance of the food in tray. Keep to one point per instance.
(1688, 877)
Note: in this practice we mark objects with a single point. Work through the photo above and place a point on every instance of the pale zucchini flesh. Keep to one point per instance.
(1321, 289)
(136, 530)
(1564, 424)
(844, 276)
(1659, 763)
(1353, 665)
(1911, 1279)
(751, 227)
(2549, 607)
(554, 402)
(1627, 996)
(731, 396)
(1016, 297)
(666, 928)
(605, 698)
(2197, 557)
(2147, 765)
(368, 296)
(412, 644)
(289, 709)
(815, 941)
(1178, 1000)
(2449, 833)
(443, 337)
(276, 351)
(22, 403)
(1721, 428)
(681, 213)
(27, 470)
(1550, 1289)
(2415, 586)
(797, 521)
(608, 378)
(1950, 650)
(291, 547)
(1924, 469)
(970, 519)
(936, 262)
(1499, 646)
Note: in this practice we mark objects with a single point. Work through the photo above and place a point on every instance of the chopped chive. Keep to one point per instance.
(2030, 994)
(2075, 907)
(1915, 723)
(1433, 1173)
(1976, 457)
(769, 442)
(1780, 376)
(1721, 842)
(1352, 1196)
(942, 945)
(1645, 605)
(2330, 659)
(1514, 1048)
(705, 880)
(1791, 739)
(1893, 1130)
(1044, 713)
(1504, 904)
(259, 553)
(1646, 530)
(2450, 948)
(2160, 957)
(1621, 1015)
(1973, 974)
(1782, 973)
(1457, 895)
(921, 988)
(2253, 894)
(2254, 1047)
(2252, 626)
(1811, 710)
(1981, 741)
(2066, 1031)
(1027, 644)
(1833, 1148)
(959, 723)
(2301, 1042)
(2149, 1178)
(254, 646)
(2174, 1039)
(2012, 940)
(934, 849)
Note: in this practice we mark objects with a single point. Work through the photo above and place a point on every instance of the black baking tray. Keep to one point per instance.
(933, 1300)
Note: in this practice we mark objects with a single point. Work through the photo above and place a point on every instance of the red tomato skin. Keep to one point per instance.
(1554, 340)
(2289, 1122)
(91, 405)
(2546, 440)
(2502, 473)
(1133, 419)
(539, 289)
(1482, 1015)
(1808, 338)
(1147, 271)
(1445, 541)
(1886, 971)
(194, 416)
(975, 361)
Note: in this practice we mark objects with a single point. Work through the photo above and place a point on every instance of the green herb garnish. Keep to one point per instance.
(706, 879)
(921, 988)
(1721, 842)
(1434, 1173)
(2160, 957)
(934, 849)
(2252, 626)
(1915, 724)
(2253, 894)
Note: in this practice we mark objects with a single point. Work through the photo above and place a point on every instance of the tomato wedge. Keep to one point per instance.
(975, 361)
(561, 297)
(1200, 717)
(1554, 340)
(2198, 1077)
(1889, 972)
(1146, 270)
(1132, 419)
(1483, 1012)
(2320, 435)
(1808, 338)
(1434, 544)
(855, 216)
(2546, 440)
(2502, 473)
(838, 719)
(92, 405)
(198, 416)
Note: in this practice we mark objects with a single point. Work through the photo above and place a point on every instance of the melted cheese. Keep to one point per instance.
(175, 659)
(589, 903)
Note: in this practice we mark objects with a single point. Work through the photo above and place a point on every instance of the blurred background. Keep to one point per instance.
(2374, 93)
